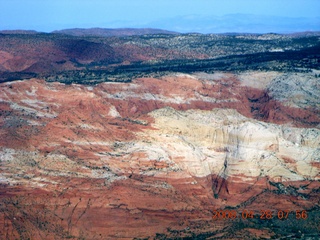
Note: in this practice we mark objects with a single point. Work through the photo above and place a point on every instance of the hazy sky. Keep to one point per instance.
(48, 15)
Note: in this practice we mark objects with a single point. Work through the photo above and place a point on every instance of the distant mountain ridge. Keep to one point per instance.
(18, 31)
(239, 23)
(109, 32)
(123, 32)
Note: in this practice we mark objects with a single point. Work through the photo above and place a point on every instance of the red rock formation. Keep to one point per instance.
(150, 158)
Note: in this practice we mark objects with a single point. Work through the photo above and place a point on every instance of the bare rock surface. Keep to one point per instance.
(157, 156)
(296, 90)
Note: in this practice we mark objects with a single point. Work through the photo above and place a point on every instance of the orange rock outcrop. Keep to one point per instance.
(154, 158)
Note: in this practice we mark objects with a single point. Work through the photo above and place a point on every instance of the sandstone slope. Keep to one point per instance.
(156, 157)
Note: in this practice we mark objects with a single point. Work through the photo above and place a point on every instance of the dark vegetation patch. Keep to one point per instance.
(91, 60)
(292, 61)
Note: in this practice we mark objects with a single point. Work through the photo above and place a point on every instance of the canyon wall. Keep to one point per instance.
(155, 157)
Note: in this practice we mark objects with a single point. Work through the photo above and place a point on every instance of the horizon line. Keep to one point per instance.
(4, 31)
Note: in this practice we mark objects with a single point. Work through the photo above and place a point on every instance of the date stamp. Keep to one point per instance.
(263, 214)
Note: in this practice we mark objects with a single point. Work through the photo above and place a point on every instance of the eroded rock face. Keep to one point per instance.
(155, 157)
(256, 146)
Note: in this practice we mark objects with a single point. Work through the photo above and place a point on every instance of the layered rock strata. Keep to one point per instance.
(155, 157)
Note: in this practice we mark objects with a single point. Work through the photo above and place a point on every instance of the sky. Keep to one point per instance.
(178, 15)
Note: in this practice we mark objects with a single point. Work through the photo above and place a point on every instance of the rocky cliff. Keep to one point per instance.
(154, 158)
